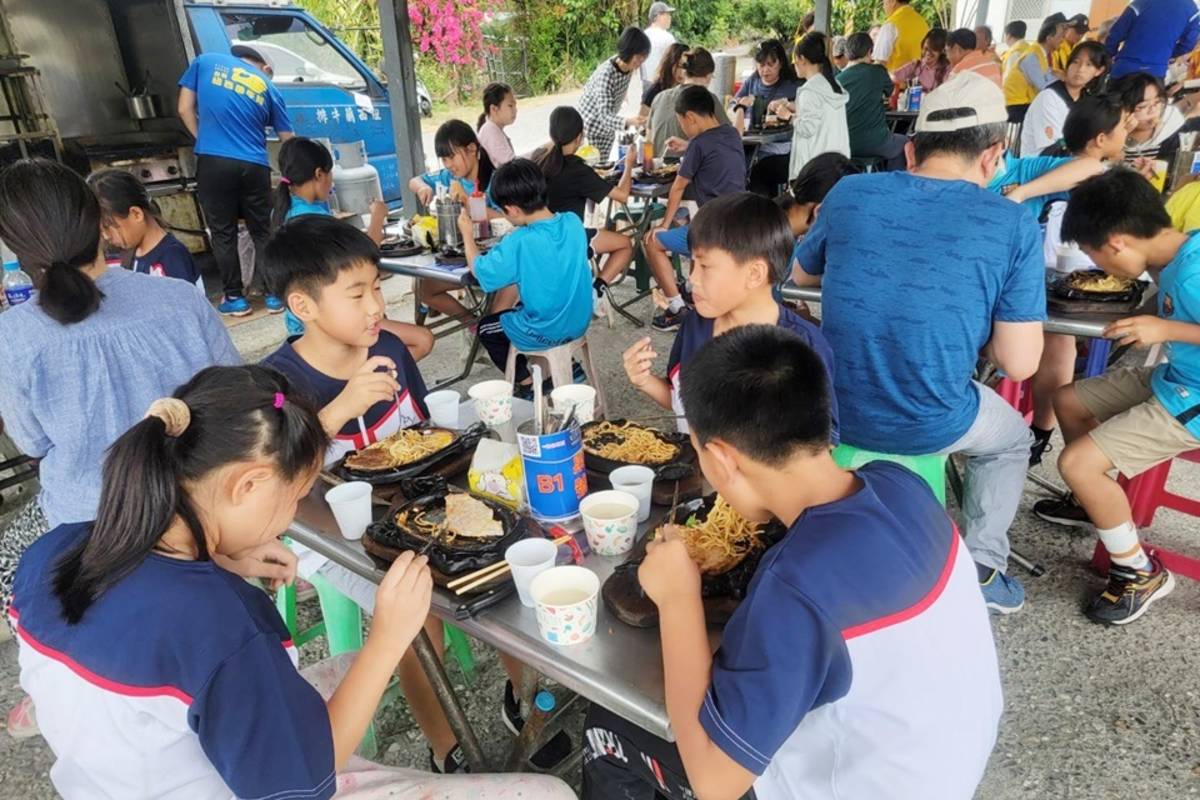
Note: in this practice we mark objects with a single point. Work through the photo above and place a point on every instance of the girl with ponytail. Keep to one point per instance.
(571, 183)
(819, 112)
(305, 182)
(131, 221)
(87, 354)
(499, 111)
(182, 673)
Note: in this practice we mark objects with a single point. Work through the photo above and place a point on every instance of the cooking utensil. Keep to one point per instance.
(488, 574)
(539, 402)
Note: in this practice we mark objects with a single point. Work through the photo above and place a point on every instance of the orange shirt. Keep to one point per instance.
(980, 64)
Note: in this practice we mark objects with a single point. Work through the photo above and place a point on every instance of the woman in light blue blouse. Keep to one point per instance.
(87, 354)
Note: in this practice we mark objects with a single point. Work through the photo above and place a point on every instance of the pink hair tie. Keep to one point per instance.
(283, 179)
(279, 398)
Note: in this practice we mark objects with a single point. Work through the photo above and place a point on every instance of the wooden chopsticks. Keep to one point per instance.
(488, 574)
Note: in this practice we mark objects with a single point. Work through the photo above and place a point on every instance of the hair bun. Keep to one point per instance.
(173, 412)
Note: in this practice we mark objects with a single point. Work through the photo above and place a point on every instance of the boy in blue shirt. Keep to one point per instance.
(740, 248)
(860, 663)
(713, 165)
(1130, 419)
(545, 258)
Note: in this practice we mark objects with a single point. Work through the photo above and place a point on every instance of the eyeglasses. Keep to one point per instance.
(1150, 105)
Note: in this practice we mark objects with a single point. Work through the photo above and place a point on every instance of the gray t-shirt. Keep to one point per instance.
(663, 122)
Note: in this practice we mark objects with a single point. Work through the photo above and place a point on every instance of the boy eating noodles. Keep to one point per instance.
(545, 258)
(367, 386)
(861, 657)
(1130, 419)
(714, 164)
(740, 248)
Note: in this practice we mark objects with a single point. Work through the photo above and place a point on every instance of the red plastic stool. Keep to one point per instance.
(1017, 394)
(1147, 493)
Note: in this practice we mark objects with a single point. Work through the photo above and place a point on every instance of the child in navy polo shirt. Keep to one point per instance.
(130, 222)
(367, 386)
(860, 663)
(740, 249)
(713, 165)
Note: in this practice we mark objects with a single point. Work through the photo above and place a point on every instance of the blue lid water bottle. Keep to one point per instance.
(18, 286)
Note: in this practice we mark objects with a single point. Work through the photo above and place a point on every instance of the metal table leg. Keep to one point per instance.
(459, 723)
(484, 308)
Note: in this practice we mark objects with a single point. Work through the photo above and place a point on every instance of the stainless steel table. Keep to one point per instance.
(620, 668)
(1090, 326)
(423, 266)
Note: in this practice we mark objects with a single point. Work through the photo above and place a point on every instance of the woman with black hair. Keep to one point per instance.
(499, 111)
(604, 93)
(1154, 129)
(86, 356)
(819, 113)
(773, 80)
(932, 68)
(670, 73)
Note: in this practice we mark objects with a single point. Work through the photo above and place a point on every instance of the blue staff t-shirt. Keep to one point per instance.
(697, 331)
(179, 681)
(861, 656)
(235, 103)
(547, 261)
(907, 306)
(1176, 383)
(1015, 171)
(443, 177)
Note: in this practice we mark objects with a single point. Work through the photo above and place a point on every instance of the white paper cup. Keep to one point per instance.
(527, 559)
(493, 402)
(580, 395)
(443, 407)
(565, 599)
(351, 506)
(610, 521)
(500, 227)
(639, 482)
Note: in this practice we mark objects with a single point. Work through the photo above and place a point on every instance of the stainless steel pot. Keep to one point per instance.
(447, 218)
(142, 106)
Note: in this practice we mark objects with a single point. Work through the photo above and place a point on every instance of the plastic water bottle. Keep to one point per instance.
(18, 286)
(914, 96)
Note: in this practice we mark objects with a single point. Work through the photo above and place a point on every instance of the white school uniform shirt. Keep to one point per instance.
(1043, 122)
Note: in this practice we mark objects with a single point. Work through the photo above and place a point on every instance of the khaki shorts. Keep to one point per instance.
(1136, 431)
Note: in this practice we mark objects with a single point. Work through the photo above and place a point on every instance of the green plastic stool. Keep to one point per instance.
(931, 468)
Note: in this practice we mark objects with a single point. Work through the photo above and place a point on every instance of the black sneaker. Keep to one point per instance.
(454, 762)
(1041, 445)
(553, 752)
(1129, 593)
(1062, 511)
(669, 320)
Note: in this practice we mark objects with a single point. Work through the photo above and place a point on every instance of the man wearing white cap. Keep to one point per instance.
(661, 38)
(968, 266)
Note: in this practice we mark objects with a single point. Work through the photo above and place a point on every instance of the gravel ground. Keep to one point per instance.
(1090, 712)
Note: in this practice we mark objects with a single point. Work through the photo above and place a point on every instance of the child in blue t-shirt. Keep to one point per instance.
(713, 165)
(740, 246)
(306, 170)
(307, 179)
(130, 222)
(1130, 419)
(466, 167)
(861, 656)
(545, 258)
